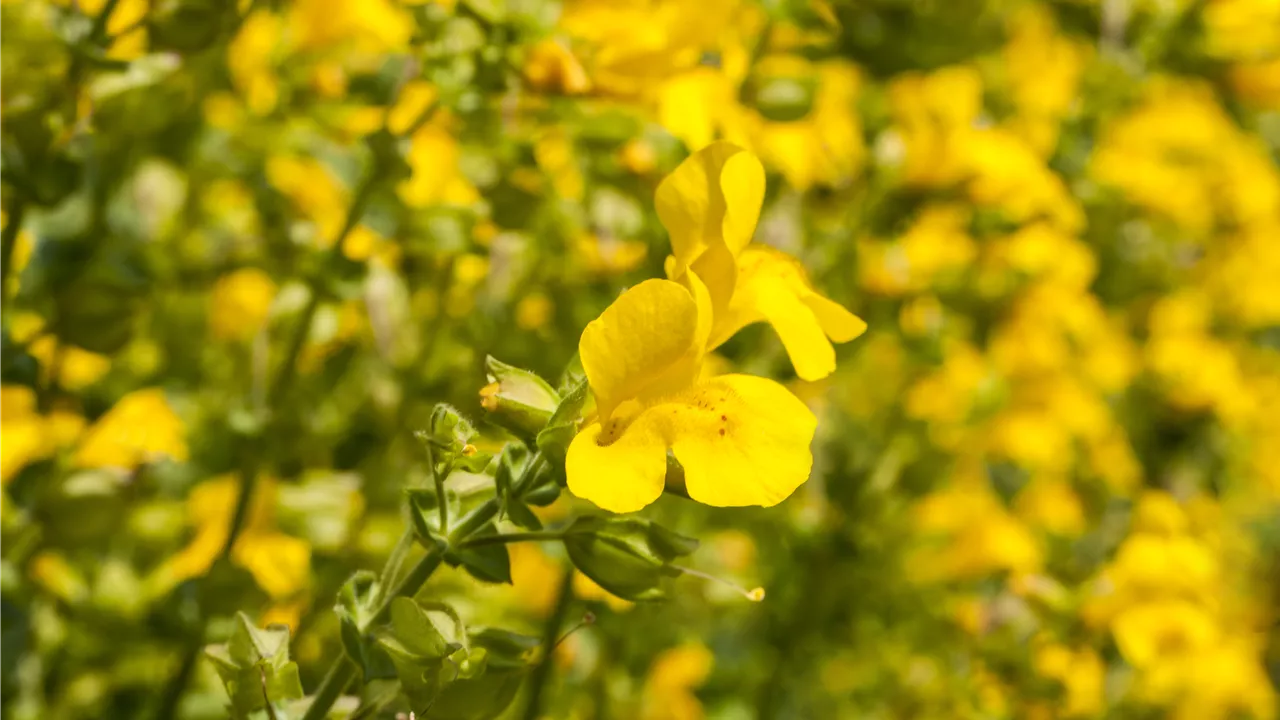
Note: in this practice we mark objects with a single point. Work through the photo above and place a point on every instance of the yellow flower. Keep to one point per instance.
(550, 65)
(742, 440)
(240, 303)
(251, 61)
(534, 311)
(279, 563)
(710, 205)
(1081, 673)
(825, 146)
(25, 435)
(366, 26)
(315, 192)
(435, 179)
(1147, 631)
(77, 368)
(140, 426)
(668, 690)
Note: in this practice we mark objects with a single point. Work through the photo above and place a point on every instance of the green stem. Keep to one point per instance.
(335, 681)
(550, 634)
(343, 670)
(391, 570)
(438, 475)
(9, 237)
(538, 536)
(276, 394)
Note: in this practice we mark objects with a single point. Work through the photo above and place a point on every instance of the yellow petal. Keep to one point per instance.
(773, 287)
(838, 323)
(280, 564)
(742, 440)
(713, 197)
(811, 353)
(646, 342)
(621, 476)
(718, 269)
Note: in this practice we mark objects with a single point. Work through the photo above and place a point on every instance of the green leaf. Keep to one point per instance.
(628, 557)
(489, 563)
(413, 628)
(522, 516)
(255, 661)
(543, 495)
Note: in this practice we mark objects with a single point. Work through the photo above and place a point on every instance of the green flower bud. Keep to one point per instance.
(517, 399)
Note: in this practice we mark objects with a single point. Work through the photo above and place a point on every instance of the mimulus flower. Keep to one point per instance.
(742, 440)
(710, 205)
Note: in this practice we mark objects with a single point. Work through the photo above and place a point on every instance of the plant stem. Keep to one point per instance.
(9, 237)
(537, 536)
(335, 681)
(343, 670)
(438, 476)
(251, 469)
(550, 634)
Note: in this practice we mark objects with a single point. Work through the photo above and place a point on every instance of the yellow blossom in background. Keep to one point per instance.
(550, 65)
(279, 563)
(251, 60)
(973, 536)
(433, 156)
(240, 304)
(608, 255)
(139, 428)
(628, 48)
(314, 191)
(26, 435)
(825, 147)
(367, 26)
(1081, 674)
(1044, 70)
(76, 368)
(533, 312)
(1205, 171)
(673, 676)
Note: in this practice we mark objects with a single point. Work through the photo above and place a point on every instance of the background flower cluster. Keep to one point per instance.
(263, 239)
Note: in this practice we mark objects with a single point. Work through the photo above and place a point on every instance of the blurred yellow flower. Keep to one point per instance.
(534, 311)
(251, 60)
(314, 191)
(138, 428)
(240, 304)
(279, 563)
(433, 158)
(1081, 674)
(27, 436)
(551, 66)
(673, 676)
